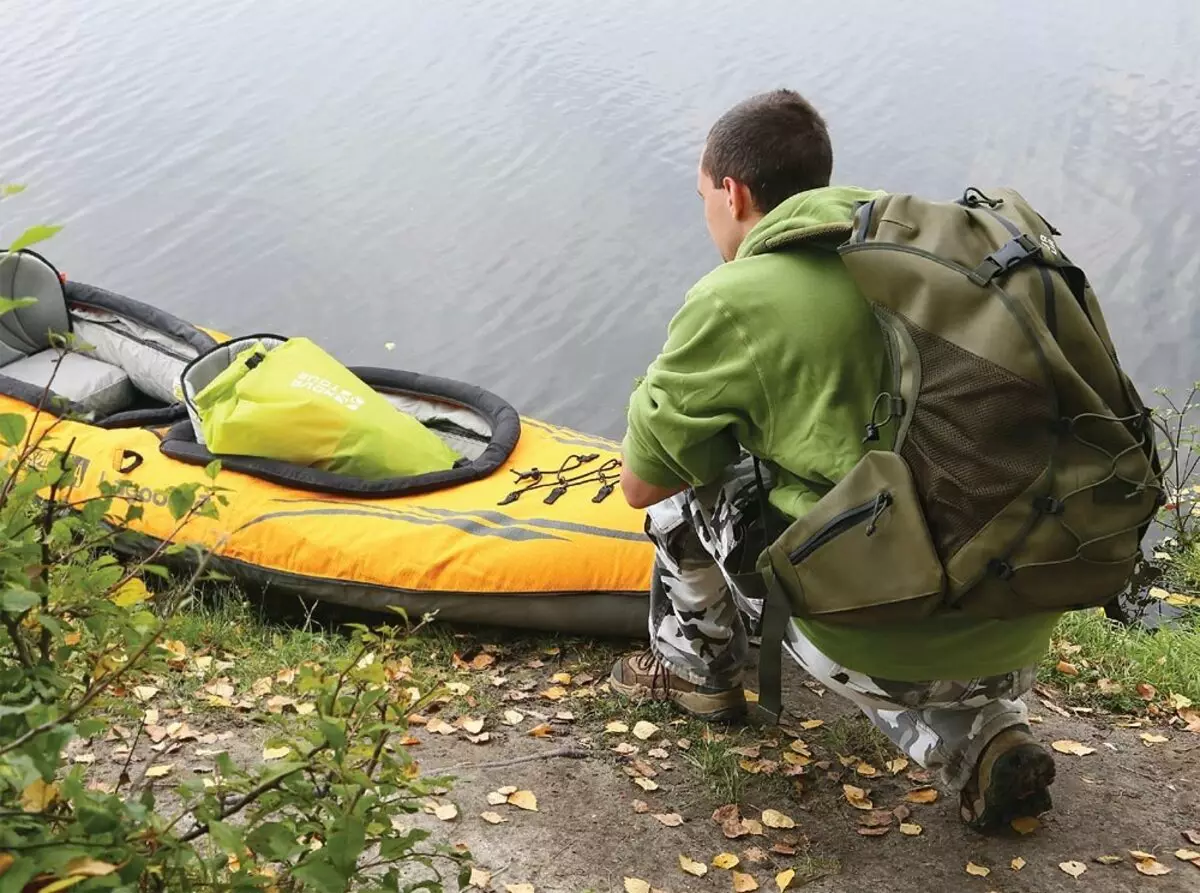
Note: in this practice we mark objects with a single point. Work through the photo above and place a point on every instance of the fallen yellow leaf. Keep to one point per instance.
(810, 724)
(897, 766)
(646, 784)
(507, 789)
(513, 717)
(1017, 863)
(159, 771)
(692, 867)
(440, 726)
(472, 725)
(1066, 745)
(725, 860)
(1025, 824)
(276, 753)
(743, 883)
(978, 870)
(866, 770)
(479, 878)
(523, 800)
(493, 818)
(643, 730)
(446, 812)
(542, 730)
(1151, 740)
(857, 797)
(1109, 860)
(145, 692)
(561, 678)
(518, 888)
(784, 879)
(1187, 855)
(1067, 669)
(554, 693)
(1074, 869)
(495, 798)
(1151, 867)
(616, 727)
(912, 829)
(636, 885)
(922, 795)
(773, 819)
(1141, 854)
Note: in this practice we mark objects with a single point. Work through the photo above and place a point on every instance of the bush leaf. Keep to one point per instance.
(32, 236)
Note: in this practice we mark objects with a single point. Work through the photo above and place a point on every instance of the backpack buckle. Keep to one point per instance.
(1001, 568)
(1011, 254)
(1048, 505)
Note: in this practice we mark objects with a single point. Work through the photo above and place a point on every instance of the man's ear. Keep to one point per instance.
(741, 204)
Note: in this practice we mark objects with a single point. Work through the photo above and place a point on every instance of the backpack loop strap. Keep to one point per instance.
(1011, 254)
(1048, 505)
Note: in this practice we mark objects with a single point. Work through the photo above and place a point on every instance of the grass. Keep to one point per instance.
(1167, 658)
(225, 622)
(855, 735)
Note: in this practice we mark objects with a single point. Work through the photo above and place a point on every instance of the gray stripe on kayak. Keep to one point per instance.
(546, 524)
(506, 522)
(466, 525)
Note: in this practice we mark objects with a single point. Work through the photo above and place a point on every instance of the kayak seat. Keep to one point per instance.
(27, 353)
(95, 385)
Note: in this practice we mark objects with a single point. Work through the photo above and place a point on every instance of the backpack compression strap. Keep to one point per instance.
(777, 614)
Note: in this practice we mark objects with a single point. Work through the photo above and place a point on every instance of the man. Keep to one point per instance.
(777, 354)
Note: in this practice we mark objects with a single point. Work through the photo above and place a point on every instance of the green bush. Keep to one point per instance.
(79, 628)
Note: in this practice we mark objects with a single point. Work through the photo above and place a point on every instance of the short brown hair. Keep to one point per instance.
(776, 143)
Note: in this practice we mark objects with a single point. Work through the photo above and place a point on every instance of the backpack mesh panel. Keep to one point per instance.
(979, 437)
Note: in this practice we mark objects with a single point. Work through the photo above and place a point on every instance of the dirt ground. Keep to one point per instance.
(585, 835)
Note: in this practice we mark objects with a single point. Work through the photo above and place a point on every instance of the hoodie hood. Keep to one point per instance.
(827, 211)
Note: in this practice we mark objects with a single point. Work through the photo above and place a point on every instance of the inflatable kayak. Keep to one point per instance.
(527, 530)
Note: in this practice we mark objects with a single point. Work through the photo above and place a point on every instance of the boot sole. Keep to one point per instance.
(710, 708)
(1018, 787)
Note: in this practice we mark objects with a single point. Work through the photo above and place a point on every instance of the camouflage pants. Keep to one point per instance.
(704, 608)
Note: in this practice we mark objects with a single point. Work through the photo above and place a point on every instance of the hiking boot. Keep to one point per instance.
(643, 676)
(1011, 780)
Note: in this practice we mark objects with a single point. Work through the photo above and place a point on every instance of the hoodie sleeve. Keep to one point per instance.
(697, 400)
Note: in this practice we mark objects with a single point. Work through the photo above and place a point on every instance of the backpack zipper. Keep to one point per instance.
(852, 517)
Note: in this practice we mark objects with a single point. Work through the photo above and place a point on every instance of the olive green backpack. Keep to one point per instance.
(1013, 468)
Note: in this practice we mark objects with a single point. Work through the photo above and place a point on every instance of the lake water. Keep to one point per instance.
(505, 189)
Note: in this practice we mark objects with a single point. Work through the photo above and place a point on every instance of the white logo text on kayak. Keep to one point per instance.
(306, 381)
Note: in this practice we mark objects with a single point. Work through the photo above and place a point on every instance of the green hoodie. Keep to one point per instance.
(776, 352)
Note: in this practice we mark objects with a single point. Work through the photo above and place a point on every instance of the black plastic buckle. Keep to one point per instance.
(1048, 505)
(1000, 568)
(1011, 254)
